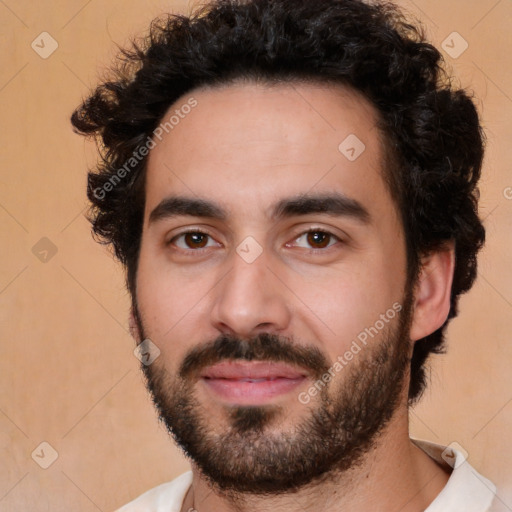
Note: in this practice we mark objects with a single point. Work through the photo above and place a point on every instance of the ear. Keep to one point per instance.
(432, 292)
(134, 328)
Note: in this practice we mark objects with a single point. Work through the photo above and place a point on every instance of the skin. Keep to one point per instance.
(245, 147)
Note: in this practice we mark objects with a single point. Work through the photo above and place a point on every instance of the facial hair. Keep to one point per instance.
(341, 426)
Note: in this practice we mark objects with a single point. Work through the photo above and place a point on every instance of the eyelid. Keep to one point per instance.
(187, 231)
(316, 229)
(299, 233)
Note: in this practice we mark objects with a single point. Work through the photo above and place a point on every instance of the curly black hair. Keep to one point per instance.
(434, 141)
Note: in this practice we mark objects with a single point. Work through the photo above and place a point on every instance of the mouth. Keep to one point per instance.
(251, 382)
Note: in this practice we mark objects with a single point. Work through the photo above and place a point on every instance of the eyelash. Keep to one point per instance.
(189, 252)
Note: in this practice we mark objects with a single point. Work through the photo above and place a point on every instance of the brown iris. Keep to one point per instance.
(196, 240)
(318, 239)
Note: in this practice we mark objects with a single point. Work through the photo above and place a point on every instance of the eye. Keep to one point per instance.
(316, 239)
(192, 240)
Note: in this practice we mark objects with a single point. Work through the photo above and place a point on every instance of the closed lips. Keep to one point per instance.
(251, 382)
(252, 371)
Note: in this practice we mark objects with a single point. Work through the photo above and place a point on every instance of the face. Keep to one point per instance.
(272, 278)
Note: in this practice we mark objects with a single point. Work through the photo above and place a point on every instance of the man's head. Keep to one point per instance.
(288, 182)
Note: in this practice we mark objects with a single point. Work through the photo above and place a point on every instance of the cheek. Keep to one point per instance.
(341, 306)
(170, 303)
(339, 312)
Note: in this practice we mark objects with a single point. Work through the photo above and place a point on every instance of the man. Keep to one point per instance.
(292, 188)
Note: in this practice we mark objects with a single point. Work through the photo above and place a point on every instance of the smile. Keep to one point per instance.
(251, 383)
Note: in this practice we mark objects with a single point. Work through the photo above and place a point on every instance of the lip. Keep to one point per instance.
(252, 382)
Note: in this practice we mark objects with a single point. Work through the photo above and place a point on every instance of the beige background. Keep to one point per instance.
(68, 373)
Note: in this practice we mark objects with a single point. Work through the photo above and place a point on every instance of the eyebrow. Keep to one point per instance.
(334, 204)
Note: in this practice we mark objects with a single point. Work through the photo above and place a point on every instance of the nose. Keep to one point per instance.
(250, 299)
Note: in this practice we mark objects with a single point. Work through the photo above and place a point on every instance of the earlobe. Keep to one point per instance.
(432, 292)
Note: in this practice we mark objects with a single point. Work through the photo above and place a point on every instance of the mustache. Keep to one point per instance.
(263, 347)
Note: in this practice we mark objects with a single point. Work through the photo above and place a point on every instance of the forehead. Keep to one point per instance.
(249, 144)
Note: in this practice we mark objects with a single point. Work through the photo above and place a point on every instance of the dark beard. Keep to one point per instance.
(336, 434)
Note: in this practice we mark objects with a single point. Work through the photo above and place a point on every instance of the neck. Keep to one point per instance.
(394, 475)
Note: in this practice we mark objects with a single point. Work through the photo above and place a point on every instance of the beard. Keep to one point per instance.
(251, 454)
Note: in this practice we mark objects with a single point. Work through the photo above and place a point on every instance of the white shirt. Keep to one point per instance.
(465, 491)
